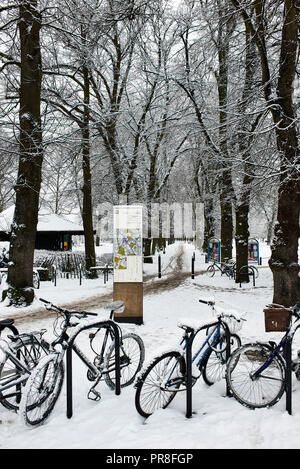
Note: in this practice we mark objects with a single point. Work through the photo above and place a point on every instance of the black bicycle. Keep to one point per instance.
(166, 375)
(226, 268)
(256, 372)
(44, 385)
(19, 355)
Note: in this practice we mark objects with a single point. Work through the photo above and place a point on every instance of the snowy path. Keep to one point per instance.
(174, 274)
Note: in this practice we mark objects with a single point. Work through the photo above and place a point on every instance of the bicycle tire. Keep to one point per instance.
(42, 390)
(29, 351)
(215, 343)
(210, 271)
(229, 270)
(262, 391)
(150, 395)
(214, 365)
(132, 352)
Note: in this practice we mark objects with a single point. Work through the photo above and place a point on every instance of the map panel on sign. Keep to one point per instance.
(128, 245)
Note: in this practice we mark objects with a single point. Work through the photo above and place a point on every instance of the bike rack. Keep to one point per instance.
(191, 334)
(250, 273)
(288, 377)
(69, 380)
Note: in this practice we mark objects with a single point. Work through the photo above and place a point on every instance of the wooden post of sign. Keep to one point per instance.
(128, 262)
(132, 295)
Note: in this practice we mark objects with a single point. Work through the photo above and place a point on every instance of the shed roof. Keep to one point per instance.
(46, 222)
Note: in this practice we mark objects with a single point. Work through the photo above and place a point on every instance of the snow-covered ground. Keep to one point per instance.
(113, 422)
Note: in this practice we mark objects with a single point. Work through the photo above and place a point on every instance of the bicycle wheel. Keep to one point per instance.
(229, 270)
(255, 391)
(210, 271)
(29, 350)
(132, 355)
(159, 383)
(214, 365)
(42, 390)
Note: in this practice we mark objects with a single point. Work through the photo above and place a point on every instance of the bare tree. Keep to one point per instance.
(28, 183)
(279, 100)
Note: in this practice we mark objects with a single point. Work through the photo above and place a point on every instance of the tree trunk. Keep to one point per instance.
(226, 192)
(209, 222)
(87, 206)
(245, 139)
(226, 220)
(284, 259)
(23, 232)
(242, 235)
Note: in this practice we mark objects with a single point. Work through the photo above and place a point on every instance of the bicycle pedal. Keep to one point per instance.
(94, 395)
(90, 376)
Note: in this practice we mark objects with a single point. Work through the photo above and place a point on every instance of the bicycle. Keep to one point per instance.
(43, 388)
(35, 277)
(256, 372)
(166, 375)
(226, 268)
(20, 354)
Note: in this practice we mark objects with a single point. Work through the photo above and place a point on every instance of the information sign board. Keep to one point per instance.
(128, 243)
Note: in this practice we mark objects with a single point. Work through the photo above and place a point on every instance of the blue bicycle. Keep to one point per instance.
(256, 372)
(166, 375)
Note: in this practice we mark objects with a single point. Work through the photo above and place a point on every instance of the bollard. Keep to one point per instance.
(159, 266)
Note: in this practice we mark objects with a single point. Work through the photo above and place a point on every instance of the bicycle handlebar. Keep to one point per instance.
(50, 305)
(209, 302)
(222, 315)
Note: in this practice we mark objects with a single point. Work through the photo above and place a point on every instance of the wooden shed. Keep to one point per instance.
(54, 232)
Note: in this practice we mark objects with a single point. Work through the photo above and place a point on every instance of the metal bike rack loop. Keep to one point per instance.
(191, 334)
(288, 374)
(109, 324)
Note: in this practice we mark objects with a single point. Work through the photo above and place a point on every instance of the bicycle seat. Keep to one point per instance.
(116, 306)
(186, 328)
(6, 322)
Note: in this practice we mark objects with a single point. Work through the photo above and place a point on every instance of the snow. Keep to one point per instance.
(46, 222)
(113, 423)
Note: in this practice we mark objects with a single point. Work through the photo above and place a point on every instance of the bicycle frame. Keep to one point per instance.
(66, 341)
(214, 334)
(223, 267)
(277, 350)
(10, 382)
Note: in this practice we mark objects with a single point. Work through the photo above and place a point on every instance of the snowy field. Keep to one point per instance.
(113, 422)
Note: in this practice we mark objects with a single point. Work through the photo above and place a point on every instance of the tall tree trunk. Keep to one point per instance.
(23, 232)
(242, 234)
(226, 189)
(245, 139)
(87, 206)
(226, 216)
(284, 259)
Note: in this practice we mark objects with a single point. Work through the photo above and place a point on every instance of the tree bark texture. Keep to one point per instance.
(284, 259)
(23, 231)
(246, 133)
(87, 206)
(226, 188)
